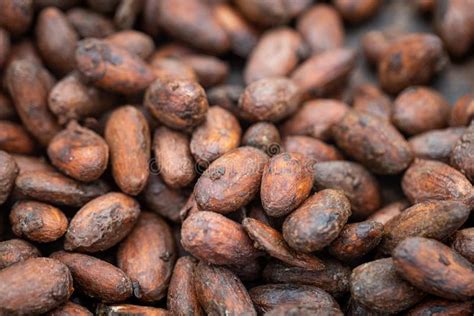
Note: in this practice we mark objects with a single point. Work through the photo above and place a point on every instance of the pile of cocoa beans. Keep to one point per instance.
(236, 157)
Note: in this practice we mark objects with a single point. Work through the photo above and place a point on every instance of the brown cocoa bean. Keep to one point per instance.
(16, 250)
(8, 173)
(436, 144)
(463, 243)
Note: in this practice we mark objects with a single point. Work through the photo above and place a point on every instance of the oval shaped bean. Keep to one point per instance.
(102, 223)
(317, 222)
(37, 221)
(213, 238)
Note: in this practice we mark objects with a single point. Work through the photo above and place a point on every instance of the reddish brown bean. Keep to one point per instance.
(267, 297)
(135, 42)
(264, 63)
(376, 285)
(182, 297)
(286, 183)
(334, 278)
(210, 71)
(270, 99)
(442, 307)
(8, 173)
(313, 149)
(37, 221)
(356, 11)
(358, 184)
(434, 268)
(173, 156)
(270, 240)
(16, 15)
(147, 256)
(231, 181)
(321, 74)
(462, 157)
(15, 139)
(112, 68)
(4, 46)
(163, 200)
(179, 104)
(242, 35)
(128, 309)
(25, 81)
(420, 109)
(102, 223)
(317, 222)
(219, 134)
(433, 180)
(56, 40)
(213, 238)
(272, 13)
(436, 144)
(79, 152)
(264, 136)
(70, 309)
(368, 98)
(220, 292)
(436, 219)
(96, 278)
(322, 28)
(412, 59)
(356, 240)
(129, 148)
(16, 250)
(315, 118)
(88, 23)
(463, 111)
(39, 183)
(375, 43)
(34, 286)
(372, 141)
(463, 243)
(193, 22)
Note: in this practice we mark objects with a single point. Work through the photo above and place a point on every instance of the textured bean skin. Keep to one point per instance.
(358, 184)
(442, 307)
(412, 59)
(269, 99)
(376, 285)
(463, 243)
(436, 144)
(462, 157)
(322, 28)
(112, 68)
(213, 238)
(286, 183)
(317, 222)
(264, 63)
(267, 297)
(102, 223)
(231, 181)
(8, 173)
(79, 152)
(70, 309)
(182, 297)
(356, 240)
(315, 118)
(37, 221)
(15, 139)
(16, 250)
(95, 277)
(219, 134)
(271, 241)
(373, 142)
(179, 103)
(435, 219)
(34, 286)
(334, 278)
(434, 268)
(129, 148)
(220, 292)
(432, 180)
(173, 157)
(147, 256)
